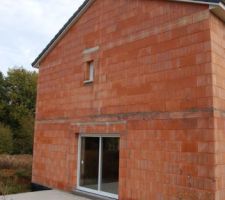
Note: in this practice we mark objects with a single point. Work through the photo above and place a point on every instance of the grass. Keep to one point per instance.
(15, 174)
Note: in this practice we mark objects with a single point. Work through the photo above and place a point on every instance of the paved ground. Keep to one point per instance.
(43, 195)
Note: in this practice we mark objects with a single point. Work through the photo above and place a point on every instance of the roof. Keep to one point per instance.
(203, 1)
(217, 6)
(212, 1)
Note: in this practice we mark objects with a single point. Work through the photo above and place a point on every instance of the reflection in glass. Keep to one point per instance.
(110, 165)
(89, 162)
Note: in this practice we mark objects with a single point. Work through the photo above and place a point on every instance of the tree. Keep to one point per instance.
(21, 92)
(6, 141)
(3, 98)
(21, 89)
(17, 106)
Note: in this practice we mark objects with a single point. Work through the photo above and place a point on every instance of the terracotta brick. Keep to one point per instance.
(189, 147)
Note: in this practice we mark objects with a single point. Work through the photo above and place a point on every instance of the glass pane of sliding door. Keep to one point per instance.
(89, 162)
(99, 165)
(110, 165)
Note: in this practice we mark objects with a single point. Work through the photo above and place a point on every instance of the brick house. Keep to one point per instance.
(131, 101)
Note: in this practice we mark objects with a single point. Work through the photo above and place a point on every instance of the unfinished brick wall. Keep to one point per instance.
(154, 72)
(218, 70)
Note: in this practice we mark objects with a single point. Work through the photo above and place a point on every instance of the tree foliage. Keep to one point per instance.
(6, 141)
(3, 98)
(17, 106)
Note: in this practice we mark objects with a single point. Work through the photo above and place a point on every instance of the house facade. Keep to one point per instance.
(131, 102)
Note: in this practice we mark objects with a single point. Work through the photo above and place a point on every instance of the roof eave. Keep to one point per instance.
(197, 2)
(62, 32)
(218, 10)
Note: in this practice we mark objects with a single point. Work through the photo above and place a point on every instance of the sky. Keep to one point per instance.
(26, 27)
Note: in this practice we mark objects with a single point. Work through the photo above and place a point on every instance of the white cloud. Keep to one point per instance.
(26, 26)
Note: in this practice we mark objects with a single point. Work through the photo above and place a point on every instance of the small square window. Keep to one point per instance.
(89, 72)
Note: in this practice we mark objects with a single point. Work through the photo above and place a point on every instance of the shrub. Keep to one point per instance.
(23, 142)
(23, 173)
(6, 140)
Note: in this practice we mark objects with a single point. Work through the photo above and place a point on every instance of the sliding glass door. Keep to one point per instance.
(99, 165)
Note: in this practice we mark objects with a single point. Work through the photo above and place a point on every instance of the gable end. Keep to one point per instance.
(216, 6)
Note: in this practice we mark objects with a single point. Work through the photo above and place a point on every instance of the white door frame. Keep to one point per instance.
(98, 192)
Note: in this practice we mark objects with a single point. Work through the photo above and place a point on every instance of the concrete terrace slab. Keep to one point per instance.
(43, 195)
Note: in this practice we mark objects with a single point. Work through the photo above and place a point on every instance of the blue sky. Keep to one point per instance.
(26, 27)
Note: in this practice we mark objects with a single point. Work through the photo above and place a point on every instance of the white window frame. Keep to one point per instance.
(97, 192)
(90, 66)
